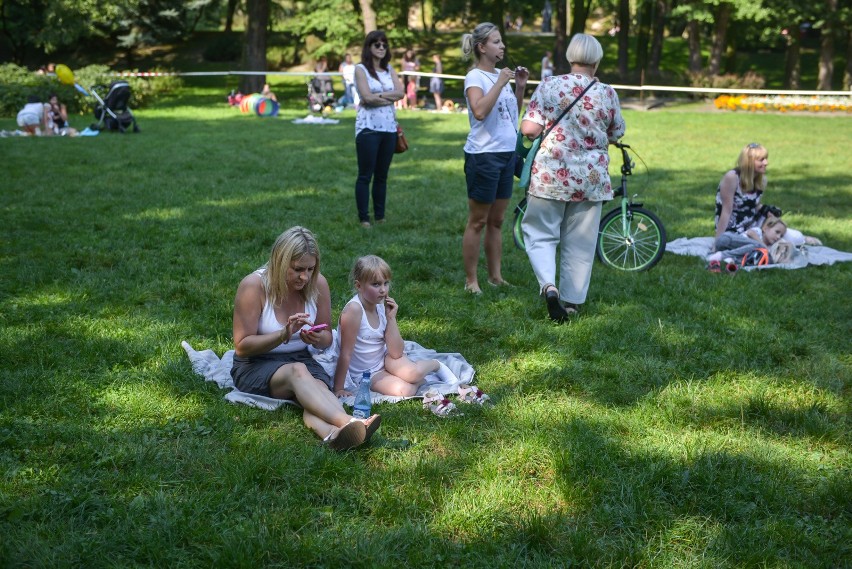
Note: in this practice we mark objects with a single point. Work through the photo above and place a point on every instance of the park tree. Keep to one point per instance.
(254, 48)
(826, 52)
(47, 26)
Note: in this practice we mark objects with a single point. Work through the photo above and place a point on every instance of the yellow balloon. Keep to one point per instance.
(64, 73)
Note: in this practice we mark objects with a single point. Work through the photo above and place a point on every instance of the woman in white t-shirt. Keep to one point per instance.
(379, 88)
(489, 153)
(33, 117)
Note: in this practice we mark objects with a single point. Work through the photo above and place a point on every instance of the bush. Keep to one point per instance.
(16, 83)
(750, 80)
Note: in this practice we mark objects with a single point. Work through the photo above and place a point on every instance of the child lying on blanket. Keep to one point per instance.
(370, 338)
(769, 232)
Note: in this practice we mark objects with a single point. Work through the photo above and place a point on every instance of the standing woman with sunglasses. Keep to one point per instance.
(379, 88)
(489, 153)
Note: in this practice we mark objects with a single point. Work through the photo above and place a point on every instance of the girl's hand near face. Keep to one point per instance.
(391, 308)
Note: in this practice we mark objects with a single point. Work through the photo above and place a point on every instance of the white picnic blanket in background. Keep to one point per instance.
(808, 255)
(311, 119)
(213, 368)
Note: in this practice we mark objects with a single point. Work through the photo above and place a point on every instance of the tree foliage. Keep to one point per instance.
(325, 27)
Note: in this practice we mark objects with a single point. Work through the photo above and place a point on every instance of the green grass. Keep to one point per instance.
(686, 419)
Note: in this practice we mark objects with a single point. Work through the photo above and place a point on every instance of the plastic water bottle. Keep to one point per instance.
(362, 405)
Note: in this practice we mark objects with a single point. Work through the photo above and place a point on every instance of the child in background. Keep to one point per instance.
(370, 339)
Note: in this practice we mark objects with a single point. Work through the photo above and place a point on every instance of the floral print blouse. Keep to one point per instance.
(573, 162)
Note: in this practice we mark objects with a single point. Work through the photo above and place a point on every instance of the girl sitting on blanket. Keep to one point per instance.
(276, 312)
(370, 339)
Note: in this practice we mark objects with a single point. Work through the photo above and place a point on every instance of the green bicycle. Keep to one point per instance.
(630, 237)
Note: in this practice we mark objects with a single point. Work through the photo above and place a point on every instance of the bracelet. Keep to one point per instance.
(282, 334)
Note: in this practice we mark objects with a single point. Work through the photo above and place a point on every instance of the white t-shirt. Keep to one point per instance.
(499, 131)
(382, 119)
(546, 67)
(31, 114)
(348, 72)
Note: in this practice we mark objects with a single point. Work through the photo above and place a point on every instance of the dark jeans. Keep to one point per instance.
(375, 151)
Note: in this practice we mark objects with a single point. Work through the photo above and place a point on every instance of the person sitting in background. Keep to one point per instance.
(32, 119)
(57, 118)
(267, 93)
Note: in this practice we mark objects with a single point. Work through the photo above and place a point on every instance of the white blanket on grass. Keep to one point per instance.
(213, 368)
(808, 255)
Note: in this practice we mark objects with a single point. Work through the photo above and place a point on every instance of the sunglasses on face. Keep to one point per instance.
(380, 44)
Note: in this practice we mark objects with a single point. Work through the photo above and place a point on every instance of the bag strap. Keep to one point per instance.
(565, 112)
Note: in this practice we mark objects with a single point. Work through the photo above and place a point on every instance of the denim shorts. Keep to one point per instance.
(490, 176)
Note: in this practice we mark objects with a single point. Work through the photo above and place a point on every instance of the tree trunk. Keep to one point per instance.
(403, 9)
(254, 52)
(792, 62)
(659, 28)
(644, 13)
(579, 15)
(560, 65)
(369, 16)
(229, 15)
(694, 41)
(847, 76)
(826, 48)
(623, 37)
(717, 50)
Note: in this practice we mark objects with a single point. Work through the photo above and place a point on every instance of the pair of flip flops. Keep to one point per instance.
(441, 406)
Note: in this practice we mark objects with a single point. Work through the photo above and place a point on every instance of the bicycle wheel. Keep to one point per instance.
(640, 248)
(517, 234)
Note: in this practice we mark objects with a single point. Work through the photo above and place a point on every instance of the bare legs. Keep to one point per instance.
(402, 376)
(323, 412)
(489, 217)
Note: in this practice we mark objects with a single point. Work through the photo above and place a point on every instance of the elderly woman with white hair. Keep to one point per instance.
(570, 175)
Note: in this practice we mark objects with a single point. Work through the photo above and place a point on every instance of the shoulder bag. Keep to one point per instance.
(528, 154)
(401, 142)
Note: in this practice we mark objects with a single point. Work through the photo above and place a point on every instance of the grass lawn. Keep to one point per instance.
(686, 419)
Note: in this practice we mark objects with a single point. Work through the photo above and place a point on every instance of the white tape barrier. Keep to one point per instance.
(641, 88)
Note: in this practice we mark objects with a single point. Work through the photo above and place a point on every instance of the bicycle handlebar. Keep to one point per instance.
(626, 163)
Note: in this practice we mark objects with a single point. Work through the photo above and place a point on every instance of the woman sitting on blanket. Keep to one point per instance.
(370, 339)
(277, 311)
(738, 207)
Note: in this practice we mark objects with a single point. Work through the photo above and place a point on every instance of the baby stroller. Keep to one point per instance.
(320, 93)
(112, 111)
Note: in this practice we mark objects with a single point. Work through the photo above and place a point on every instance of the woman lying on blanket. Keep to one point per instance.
(738, 207)
(280, 310)
(370, 338)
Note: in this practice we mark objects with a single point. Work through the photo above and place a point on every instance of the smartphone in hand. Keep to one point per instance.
(317, 328)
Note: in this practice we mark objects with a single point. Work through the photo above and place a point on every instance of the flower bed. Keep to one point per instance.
(784, 103)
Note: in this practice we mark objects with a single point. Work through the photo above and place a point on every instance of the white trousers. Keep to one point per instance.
(573, 226)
